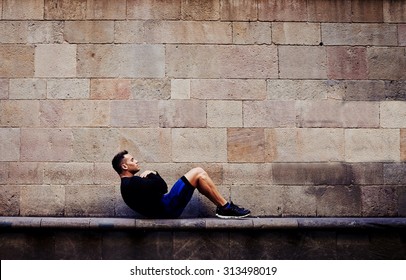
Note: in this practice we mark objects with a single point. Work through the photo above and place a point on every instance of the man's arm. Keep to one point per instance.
(147, 172)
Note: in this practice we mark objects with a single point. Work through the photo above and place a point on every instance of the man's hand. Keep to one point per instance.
(146, 173)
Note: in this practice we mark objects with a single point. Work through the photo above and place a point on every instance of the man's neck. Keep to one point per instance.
(126, 175)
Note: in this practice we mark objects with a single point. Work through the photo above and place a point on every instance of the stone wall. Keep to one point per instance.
(295, 107)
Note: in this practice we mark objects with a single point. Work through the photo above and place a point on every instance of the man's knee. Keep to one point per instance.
(195, 175)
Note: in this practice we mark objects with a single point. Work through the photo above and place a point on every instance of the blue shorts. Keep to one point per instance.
(178, 197)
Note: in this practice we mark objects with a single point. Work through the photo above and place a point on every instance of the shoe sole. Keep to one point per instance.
(232, 217)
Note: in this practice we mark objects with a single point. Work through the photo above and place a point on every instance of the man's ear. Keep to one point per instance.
(124, 166)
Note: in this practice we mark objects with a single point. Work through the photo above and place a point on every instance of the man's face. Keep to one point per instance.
(130, 164)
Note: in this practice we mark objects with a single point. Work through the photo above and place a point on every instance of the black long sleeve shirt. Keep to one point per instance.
(144, 195)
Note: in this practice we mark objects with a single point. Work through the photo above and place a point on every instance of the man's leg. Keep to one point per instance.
(204, 184)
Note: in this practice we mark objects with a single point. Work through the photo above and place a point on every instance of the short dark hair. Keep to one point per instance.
(116, 162)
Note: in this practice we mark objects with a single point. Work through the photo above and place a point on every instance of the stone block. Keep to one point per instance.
(105, 174)
(403, 144)
(379, 201)
(180, 89)
(395, 90)
(394, 11)
(32, 9)
(402, 34)
(51, 113)
(269, 113)
(102, 89)
(151, 89)
(299, 201)
(238, 10)
(285, 10)
(386, 63)
(27, 89)
(235, 89)
(246, 145)
(13, 32)
(17, 113)
(369, 173)
(45, 32)
(372, 145)
(310, 174)
(94, 144)
(145, 9)
(252, 33)
(4, 171)
(90, 201)
(10, 144)
(247, 174)
(55, 60)
(304, 145)
(65, 9)
(356, 34)
(26, 173)
(199, 145)
(305, 89)
(224, 113)
(129, 32)
(182, 113)
(106, 9)
(187, 32)
(4, 88)
(128, 60)
(71, 173)
(221, 61)
(347, 63)
(393, 114)
(329, 11)
(367, 10)
(46, 144)
(134, 114)
(394, 173)
(74, 245)
(84, 32)
(68, 89)
(331, 113)
(145, 144)
(296, 33)
(339, 201)
(299, 62)
(201, 10)
(367, 90)
(16, 60)
(9, 200)
(85, 113)
(42, 200)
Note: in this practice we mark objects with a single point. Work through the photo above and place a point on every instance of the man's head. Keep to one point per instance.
(125, 164)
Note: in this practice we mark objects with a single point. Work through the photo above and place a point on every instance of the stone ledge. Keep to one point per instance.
(200, 223)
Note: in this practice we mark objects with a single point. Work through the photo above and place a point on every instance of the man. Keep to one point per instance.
(147, 194)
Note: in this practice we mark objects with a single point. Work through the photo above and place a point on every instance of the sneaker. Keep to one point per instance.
(232, 211)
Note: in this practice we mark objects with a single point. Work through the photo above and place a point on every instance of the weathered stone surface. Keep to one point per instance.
(137, 61)
(85, 113)
(199, 145)
(369, 173)
(355, 34)
(299, 201)
(371, 145)
(233, 61)
(234, 89)
(269, 113)
(129, 32)
(17, 113)
(89, 32)
(182, 113)
(347, 63)
(4, 89)
(65, 9)
(402, 34)
(224, 113)
(247, 173)
(339, 201)
(394, 173)
(68, 88)
(393, 114)
(150, 89)
(395, 90)
(292, 33)
(145, 9)
(10, 144)
(106, 9)
(110, 89)
(310, 174)
(379, 201)
(394, 11)
(366, 90)
(246, 144)
(238, 10)
(45, 32)
(285, 10)
(68, 173)
(386, 63)
(134, 114)
(252, 33)
(180, 89)
(329, 11)
(9, 200)
(13, 32)
(26, 173)
(16, 60)
(403, 144)
(299, 62)
(27, 89)
(367, 11)
(41, 200)
(55, 60)
(304, 145)
(32, 9)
